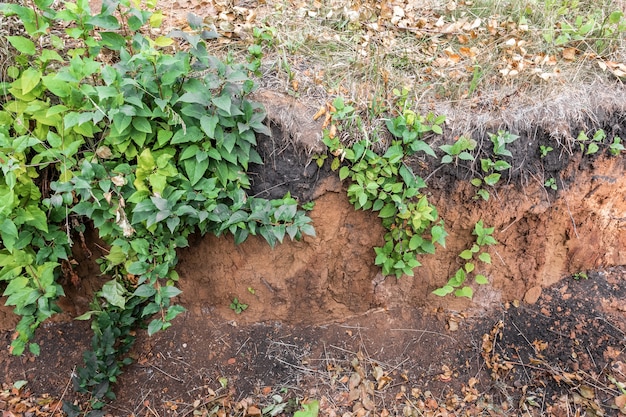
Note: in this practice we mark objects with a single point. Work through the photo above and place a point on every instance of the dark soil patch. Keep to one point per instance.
(287, 168)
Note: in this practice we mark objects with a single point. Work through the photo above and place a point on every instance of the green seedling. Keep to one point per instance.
(458, 150)
(616, 147)
(551, 183)
(590, 146)
(470, 257)
(237, 306)
(491, 168)
(545, 150)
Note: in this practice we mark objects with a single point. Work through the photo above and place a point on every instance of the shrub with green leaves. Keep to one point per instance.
(145, 140)
(386, 184)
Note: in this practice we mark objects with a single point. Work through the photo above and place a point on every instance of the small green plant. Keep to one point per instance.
(500, 140)
(545, 150)
(310, 408)
(308, 206)
(476, 253)
(551, 183)
(491, 168)
(319, 159)
(280, 405)
(616, 147)
(263, 37)
(237, 306)
(386, 184)
(580, 275)
(591, 145)
(459, 150)
(595, 30)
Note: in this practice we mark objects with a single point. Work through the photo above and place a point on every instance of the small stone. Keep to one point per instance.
(532, 295)
(453, 325)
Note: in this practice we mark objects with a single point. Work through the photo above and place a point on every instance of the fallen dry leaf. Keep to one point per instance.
(620, 403)
(569, 54)
(253, 411)
(587, 392)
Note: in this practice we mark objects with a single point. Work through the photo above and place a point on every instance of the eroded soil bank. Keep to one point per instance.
(316, 305)
(544, 236)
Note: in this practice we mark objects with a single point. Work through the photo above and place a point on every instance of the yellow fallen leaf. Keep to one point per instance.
(319, 113)
(569, 54)
(620, 402)
(586, 392)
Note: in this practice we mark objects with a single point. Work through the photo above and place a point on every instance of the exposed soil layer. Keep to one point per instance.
(543, 235)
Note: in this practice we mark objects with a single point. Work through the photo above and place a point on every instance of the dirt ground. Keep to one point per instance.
(554, 357)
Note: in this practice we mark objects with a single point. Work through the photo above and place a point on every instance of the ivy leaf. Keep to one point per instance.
(481, 279)
(592, 148)
(22, 44)
(443, 291)
(464, 292)
(394, 154)
(169, 291)
(309, 409)
(9, 234)
(174, 311)
(114, 292)
(16, 284)
(389, 210)
(492, 179)
(485, 257)
(343, 173)
(223, 102)
(29, 80)
(142, 124)
(116, 255)
(415, 242)
(34, 349)
(113, 40)
(154, 326)
(208, 124)
(137, 268)
(145, 290)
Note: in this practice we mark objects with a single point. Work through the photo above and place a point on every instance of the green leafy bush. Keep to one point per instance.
(146, 140)
(387, 185)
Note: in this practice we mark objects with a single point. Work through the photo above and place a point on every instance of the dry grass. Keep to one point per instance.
(485, 64)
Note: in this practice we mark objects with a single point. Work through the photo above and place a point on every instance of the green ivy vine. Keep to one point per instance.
(387, 184)
(146, 138)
